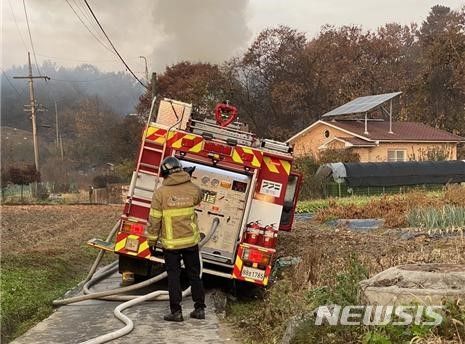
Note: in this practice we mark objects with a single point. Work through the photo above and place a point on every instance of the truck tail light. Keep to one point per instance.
(133, 228)
(256, 256)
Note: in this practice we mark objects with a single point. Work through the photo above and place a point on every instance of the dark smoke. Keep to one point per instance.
(199, 30)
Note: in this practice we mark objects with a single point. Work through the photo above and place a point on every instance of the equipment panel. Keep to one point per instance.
(225, 197)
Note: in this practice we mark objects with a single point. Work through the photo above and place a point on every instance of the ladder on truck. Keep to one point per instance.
(146, 176)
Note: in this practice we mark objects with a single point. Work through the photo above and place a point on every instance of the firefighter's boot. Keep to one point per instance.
(177, 317)
(127, 278)
(198, 313)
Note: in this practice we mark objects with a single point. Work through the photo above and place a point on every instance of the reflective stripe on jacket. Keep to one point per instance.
(172, 216)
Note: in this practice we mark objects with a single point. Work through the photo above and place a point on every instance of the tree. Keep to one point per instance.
(23, 176)
(5, 180)
(202, 84)
(272, 86)
(438, 90)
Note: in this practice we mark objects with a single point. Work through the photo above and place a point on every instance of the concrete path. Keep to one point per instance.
(85, 320)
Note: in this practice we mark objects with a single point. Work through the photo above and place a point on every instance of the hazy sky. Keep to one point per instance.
(169, 30)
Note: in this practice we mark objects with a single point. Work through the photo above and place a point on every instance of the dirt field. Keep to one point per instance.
(44, 253)
(44, 248)
(325, 249)
(54, 228)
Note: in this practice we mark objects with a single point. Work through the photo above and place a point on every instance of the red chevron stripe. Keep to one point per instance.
(145, 253)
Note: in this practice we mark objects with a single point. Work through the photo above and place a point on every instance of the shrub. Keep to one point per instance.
(343, 292)
(125, 169)
(393, 209)
(61, 187)
(455, 195)
(42, 192)
(24, 175)
(265, 320)
(101, 181)
(338, 155)
(312, 186)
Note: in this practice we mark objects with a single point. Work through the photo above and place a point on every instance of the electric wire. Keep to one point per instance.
(90, 80)
(81, 60)
(17, 26)
(112, 45)
(88, 29)
(30, 37)
(11, 84)
(82, 9)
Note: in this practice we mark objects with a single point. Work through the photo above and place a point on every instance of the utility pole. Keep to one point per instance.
(33, 107)
(154, 85)
(61, 148)
(146, 69)
(56, 125)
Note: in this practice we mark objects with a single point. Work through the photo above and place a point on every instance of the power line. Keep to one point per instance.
(11, 84)
(80, 60)
(88, 29)
(116, 51)
(17, 26)
(88, 18)
(91, 80)
(30, 37)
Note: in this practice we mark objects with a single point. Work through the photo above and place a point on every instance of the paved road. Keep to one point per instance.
(88, 319)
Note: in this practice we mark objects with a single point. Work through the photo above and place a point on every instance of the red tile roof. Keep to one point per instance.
(403, 131)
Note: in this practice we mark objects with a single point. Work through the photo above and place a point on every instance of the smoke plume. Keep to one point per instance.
(199, 30)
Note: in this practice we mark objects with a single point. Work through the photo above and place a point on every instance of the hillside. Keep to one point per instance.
(17, 146)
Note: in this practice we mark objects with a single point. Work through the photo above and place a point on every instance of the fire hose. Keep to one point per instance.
(131, 300)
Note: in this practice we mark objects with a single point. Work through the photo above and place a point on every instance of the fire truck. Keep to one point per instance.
(248, 184)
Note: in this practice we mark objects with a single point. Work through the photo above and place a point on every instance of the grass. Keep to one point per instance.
(449, 216)
(264, 321)
(315, 205)
(29, 284)
(442, 210)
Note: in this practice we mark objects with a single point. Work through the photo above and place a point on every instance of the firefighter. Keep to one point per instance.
(173, 221)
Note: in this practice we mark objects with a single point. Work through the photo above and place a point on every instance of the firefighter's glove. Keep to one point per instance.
(152, 240)
(189, 170)
(152, 249)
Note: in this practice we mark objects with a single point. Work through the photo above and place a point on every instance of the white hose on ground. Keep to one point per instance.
(156, 295)
(111, 295)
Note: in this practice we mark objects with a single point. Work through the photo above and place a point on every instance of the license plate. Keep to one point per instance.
(256, 274)
(132, 245)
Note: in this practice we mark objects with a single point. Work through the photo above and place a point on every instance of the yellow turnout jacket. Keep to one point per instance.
(172, 217)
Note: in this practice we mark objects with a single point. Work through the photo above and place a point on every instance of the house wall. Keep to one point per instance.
(308, 143)
(414, 151)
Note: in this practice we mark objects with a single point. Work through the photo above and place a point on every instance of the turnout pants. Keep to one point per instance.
(190, 256)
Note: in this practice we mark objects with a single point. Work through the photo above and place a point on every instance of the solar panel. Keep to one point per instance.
(361, 104)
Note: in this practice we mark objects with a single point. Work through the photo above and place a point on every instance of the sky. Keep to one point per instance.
(166, 31)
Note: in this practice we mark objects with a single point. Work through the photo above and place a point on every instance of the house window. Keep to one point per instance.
(397, 155)
(326, 133)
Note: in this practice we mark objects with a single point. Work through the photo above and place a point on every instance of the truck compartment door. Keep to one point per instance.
(225, 197)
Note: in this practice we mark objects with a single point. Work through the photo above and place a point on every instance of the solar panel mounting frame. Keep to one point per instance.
(361, 104)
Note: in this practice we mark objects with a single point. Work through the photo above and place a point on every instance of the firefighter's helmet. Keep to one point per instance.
(169, 166)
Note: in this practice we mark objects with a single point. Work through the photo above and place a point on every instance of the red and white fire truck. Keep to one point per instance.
(248, 184)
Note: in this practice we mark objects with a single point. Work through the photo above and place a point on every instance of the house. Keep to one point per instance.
(364, 126)
(377, 140)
